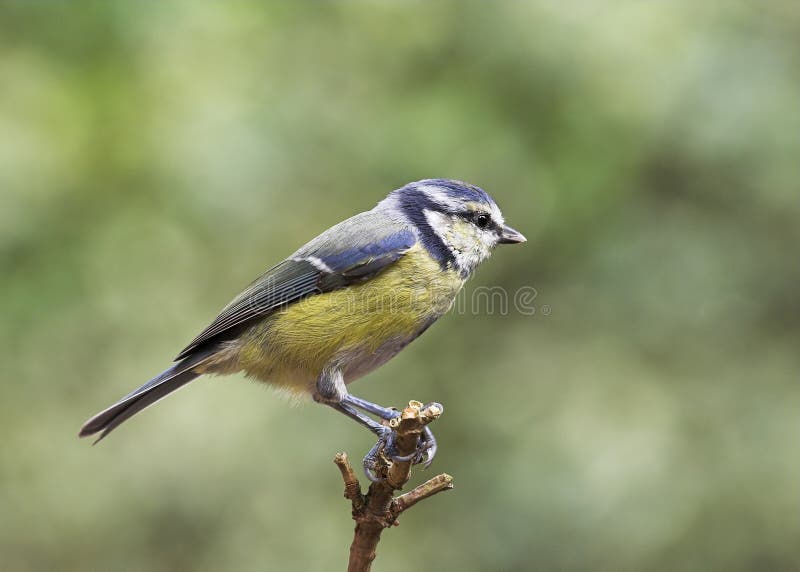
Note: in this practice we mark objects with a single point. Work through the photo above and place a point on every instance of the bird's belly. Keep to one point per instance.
(358, 363)
(356, 329)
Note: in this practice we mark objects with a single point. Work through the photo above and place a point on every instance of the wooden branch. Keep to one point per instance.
(435, 486)
(378, 509)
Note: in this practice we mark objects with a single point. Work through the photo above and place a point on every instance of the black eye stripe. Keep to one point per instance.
(482, 220)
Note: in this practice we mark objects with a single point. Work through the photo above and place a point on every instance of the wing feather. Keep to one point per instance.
(350, 252)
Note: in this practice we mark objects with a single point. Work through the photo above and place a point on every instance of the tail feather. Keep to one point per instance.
(157, 388)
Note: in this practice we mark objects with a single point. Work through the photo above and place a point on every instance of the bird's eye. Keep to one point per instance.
(482, 220)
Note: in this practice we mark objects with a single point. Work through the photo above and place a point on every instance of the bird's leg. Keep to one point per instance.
(332, 391)
(385, 413)
(360, 418)
(385, 438)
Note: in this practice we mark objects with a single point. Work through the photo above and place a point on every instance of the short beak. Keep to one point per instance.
(510, 236)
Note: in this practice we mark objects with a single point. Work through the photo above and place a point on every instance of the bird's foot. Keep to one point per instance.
(426, 451)
(385, 449)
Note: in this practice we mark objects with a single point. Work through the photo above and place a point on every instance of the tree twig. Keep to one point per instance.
(378, 509)
(435, 486)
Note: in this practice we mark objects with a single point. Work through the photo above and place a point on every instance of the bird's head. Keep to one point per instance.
(459, 223)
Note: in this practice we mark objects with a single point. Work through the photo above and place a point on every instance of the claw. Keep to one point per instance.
(434, 404)
(371, 475)
(429, 448)
(406, 459)
(370, 462)
(426, 451)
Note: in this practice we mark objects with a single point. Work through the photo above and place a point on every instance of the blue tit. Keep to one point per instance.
(343, 304)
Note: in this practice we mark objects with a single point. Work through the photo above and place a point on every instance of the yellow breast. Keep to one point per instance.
(357, 328)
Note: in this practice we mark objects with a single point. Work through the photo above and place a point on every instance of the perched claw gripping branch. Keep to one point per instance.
(379, 509)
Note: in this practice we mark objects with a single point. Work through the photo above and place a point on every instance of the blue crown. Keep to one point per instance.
(417, 195)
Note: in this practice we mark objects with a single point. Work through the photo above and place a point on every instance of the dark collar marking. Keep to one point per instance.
(414, 203)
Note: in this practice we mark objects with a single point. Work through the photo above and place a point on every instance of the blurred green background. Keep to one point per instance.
(155, 157)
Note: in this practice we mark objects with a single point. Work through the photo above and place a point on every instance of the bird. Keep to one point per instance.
(343, 305)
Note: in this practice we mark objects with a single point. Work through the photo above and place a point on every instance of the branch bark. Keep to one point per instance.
(379, 509)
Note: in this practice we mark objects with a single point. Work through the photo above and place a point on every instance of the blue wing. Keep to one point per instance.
(350, 252)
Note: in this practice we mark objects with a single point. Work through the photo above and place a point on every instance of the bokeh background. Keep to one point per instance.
(155, 157)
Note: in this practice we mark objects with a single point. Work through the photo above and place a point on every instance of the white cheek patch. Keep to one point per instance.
(443, 225)
(440, 223)
(469, 248)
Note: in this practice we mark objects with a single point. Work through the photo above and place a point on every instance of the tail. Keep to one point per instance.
(157, 388)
